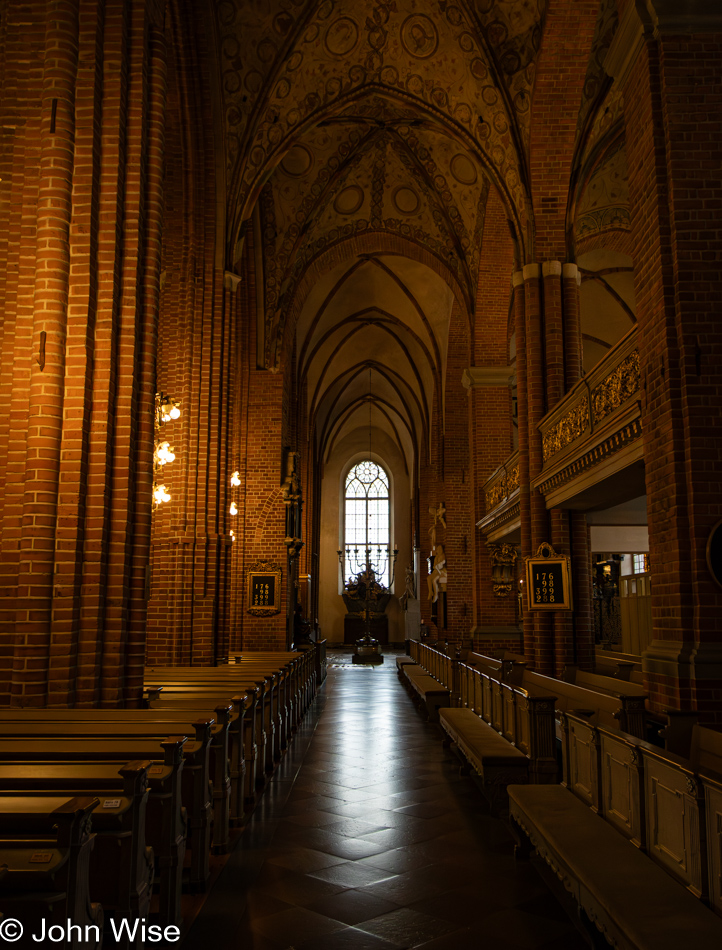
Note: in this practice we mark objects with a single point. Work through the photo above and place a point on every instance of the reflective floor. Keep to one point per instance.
(368, 838)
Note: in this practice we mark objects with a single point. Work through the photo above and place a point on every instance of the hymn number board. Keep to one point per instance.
(548, 580)
(264, 589)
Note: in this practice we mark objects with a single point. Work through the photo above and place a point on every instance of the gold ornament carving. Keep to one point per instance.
(567, 430)
(496, 494)
(512, 480)
(502, 488)
(617, 388)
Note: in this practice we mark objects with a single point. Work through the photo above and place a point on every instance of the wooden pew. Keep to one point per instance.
(623, 712)
(45, 847)
(134, 722)
(161, 687)
(631, 694)
(165, 820)
(108, 740)
(247, 736)
(524, 719)
(626, 834)
(121, 865)
(432, 694)
(279, 685)
(496, 762)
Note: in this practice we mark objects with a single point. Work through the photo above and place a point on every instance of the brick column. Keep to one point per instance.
(494, 618)
(52, 269)
(583, 620)
(555, 358)
(523, 420)
(536, 407)
(669, 68)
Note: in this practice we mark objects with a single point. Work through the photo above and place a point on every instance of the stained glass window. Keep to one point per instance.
(366, 517)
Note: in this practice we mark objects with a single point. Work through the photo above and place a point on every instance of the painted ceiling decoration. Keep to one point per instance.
(467, 68)
(341, 180)
(366, 141)
(604, 201)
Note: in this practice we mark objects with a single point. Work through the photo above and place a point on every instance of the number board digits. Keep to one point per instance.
(548, 584)
(547, 580)
(263, 590)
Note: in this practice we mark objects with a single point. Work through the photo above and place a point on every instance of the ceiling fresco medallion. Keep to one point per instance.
(341, 36)
(297, 161)
(349, 200)
(419, 36)
(463, 169)
(406, 201)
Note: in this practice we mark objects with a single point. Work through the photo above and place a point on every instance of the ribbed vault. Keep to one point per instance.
(371, 341)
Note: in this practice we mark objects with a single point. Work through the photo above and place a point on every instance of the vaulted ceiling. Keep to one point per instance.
(365, 139)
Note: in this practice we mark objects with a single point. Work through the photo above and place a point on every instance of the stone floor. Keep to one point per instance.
(369, 839)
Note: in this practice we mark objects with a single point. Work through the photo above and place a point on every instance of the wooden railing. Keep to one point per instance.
(668, 806)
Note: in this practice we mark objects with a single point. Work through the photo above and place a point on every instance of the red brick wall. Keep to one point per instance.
(489, 408)
(80, 264)
(673, 96)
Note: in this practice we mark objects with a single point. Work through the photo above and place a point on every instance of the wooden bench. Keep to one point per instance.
(133, 722)
(169, 688)
(623, 712)
(247, 735)
(165, 815)
(630, 694)
(626, 833)
(522, 718)
(428, 691)
(402, 661)
(45, 847)
(121, 865)
(104, 739)
(619, 891)
(496, 762)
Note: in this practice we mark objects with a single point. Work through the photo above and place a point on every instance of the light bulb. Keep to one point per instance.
(160, 495)
(235, 479)
(175, 412)
(234, 508)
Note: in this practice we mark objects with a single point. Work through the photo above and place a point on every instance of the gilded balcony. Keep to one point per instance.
(501, 491)
(592, 439)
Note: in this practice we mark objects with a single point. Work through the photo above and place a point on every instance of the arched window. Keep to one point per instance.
(366, 516)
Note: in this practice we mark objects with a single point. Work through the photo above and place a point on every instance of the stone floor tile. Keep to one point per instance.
(353, 906)
(367, 838)
(349, 939)
(406, 928)
(351, 874)
(304, 860)
(295, 925)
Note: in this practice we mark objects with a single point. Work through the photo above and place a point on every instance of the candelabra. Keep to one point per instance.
(367, 563)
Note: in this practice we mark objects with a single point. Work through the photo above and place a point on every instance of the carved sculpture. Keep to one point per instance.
(410, 592)
(437, 577)
(439, 515)
(503, 558)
